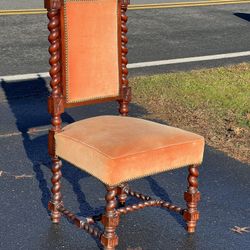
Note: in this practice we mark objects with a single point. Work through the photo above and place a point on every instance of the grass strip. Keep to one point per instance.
(213, 102)
(222, 91)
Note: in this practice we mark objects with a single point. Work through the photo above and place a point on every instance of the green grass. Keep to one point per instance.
(221, 91)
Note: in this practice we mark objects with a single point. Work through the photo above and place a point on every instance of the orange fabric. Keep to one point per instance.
(116, 149)
(91, 47)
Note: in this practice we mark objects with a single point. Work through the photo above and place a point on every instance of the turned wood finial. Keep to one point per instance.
(125, 2)
(52, 4)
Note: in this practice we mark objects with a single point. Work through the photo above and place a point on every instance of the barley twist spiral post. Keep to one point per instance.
(54, 50)
(110, 220)
(55, 70)
(192, 197)
(124, 29)
(150, 203)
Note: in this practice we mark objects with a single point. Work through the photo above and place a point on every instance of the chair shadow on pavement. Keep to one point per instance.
(28, 103)
(163, 195)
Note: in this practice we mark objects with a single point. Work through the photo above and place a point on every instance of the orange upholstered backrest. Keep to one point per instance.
(91, 47)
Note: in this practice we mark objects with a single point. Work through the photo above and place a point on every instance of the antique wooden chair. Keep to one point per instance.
(89, 65)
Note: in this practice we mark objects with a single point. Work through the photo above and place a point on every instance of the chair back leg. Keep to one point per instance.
(122, 191)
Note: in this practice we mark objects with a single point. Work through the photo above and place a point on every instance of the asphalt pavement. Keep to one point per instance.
(25, 165)
(25, 188)
(157, 34)
(34, 4)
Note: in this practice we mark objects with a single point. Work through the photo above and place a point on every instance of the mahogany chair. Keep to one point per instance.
(89, 65)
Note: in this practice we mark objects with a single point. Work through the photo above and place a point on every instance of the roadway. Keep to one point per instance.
(154, 34)
(25, 166)
(34, 4)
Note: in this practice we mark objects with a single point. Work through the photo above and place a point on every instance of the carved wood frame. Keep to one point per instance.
(56, 104)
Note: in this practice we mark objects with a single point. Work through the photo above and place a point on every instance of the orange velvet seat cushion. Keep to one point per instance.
(116, 149)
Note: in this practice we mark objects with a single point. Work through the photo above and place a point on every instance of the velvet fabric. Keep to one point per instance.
(116, 149)
(90, 50)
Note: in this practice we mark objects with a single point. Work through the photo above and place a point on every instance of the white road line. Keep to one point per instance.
(23, 77)
(188, 59)
(35, 131)
(12, 78)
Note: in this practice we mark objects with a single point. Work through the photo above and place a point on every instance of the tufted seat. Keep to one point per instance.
(116, 149)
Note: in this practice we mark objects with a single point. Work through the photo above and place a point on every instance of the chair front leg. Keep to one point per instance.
(56, 190)
(192, 197)
(110, 220)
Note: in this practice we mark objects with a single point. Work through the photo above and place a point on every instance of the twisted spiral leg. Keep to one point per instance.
(55, 70)
(55, 109)
(192, 197)
(110, 220)
(54, 50)
(56, 193)
(124, 18)
(139, 195)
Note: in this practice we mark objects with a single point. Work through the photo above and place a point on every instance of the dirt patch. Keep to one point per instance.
(223, 134)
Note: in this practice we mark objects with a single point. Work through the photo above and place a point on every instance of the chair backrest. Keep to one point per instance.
(88, 56)
(91, 57)
(91, 50)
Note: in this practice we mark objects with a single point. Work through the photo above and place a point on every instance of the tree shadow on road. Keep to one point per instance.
(244, 16)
